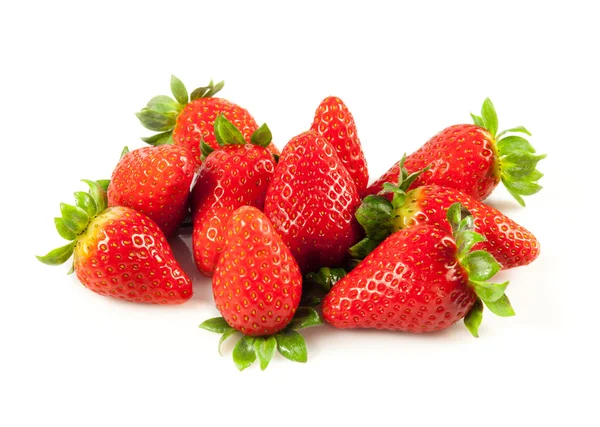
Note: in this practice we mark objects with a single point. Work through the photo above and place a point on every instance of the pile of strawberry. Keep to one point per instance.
(283, 234)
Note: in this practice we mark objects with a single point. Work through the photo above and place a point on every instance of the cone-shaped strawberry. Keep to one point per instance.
(474, 159)
(257, 286)
(420, 279)
(118, 251)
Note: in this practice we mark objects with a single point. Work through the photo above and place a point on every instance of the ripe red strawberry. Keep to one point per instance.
(154, 181)
(186, 121)
(335, 123)
(257, 287)
(474, 159)
(510, 244)
(118, 251)
(420, 279)
(311, 202)
(234, 175)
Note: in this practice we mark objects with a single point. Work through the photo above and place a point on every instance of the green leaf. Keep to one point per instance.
(86, 202)
(214, 88)
(490, 119)
(179, 90)
(375, 215)
(477, 120)
(164, 104)
(154, 120)
(481, 265)
(76, 219)
(466, 224)
(363, 248)
(454, 215)
(524, 188)
(305, 317)
(291, 345)
(58, 256)
(514, 143)
(308, 300)
(229, 332)
(326, 277)
(536, 175)
(205, 149)
(262, 136)
(216, 324)
(265, 347)
(489, 292)
(519, 164)
(466, 240)
(103, 183)
(163, 138)
(124, 152)
(198, 93)
(64, 231)
(98, 194)
(501, 307)
(243, 353)
(474, 317)
(227, 133)
(519, 129)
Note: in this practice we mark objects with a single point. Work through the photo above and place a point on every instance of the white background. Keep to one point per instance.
(73, 74)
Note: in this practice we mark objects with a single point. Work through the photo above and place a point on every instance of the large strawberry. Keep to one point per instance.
(311, 202)
(257, 286)
(236, 174)
(187, 120)
(334, 121)
(510, 243)
(118, 251)
(420, 279)
(155, 181)
(474, 159)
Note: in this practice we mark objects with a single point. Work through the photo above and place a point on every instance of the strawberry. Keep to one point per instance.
(335, 123)
(474, 159)
(187, 120)
(311, 202)
(154, 181)
(118, 251)
(510, 244)
(257, 286)
(234, 175)
(421, 279)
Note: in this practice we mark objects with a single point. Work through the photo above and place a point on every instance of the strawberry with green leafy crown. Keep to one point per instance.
(154, 181)
(118, 252)
(421, 279)
(188, 120)
(311, 202)
(474, 159)
(234, 175)
(510, 243)
(257, 286)
(335, 123)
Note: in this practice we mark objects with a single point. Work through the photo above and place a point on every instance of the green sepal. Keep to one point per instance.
(325, 278)
(64, 231)
(103, 183)
(309, 300)
(489, 292)
(516, 129)
(477, 120)
(163, 138)
(375, 215)
(179, 91)
(72, 269)
(205, 150)
(262, 136)
(456, 215)
(405, 180)
(474, 317)
(489, 116)
(206, 91)
(164, 104)
(216, 324)
(265, 348)
(481, 265)
(228, 333)
(363, 248)
(243, 352)
(226, 133)
(98, 194)
(519, 164)
(501, 307)
(86, 202)
(305, 317)
(155, 120)
(291, 345)
(124, 152)
(514, 143)
(75, 218)
(466, 240)
(58, 256)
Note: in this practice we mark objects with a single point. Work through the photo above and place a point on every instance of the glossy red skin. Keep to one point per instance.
(154, 181)
(257, 284)
(411, 282)
(230, 177)
(335, 123)
(463, 157)
(124, 254)
(510, 244)
(196, 120)
(311, 202)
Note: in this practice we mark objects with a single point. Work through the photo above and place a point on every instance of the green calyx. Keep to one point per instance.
(160, 113)
(480, 266)
(518, 159)
(75, 219)
(288, 342)
(316, 285)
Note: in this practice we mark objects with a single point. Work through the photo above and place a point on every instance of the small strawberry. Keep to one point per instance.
(421, 279)
(510, 244)
(257, 286)
(154, 181)
(311, 202)
(234, 175)
(335, 123)
(118, 251)
(187, 120)
(474, 159)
